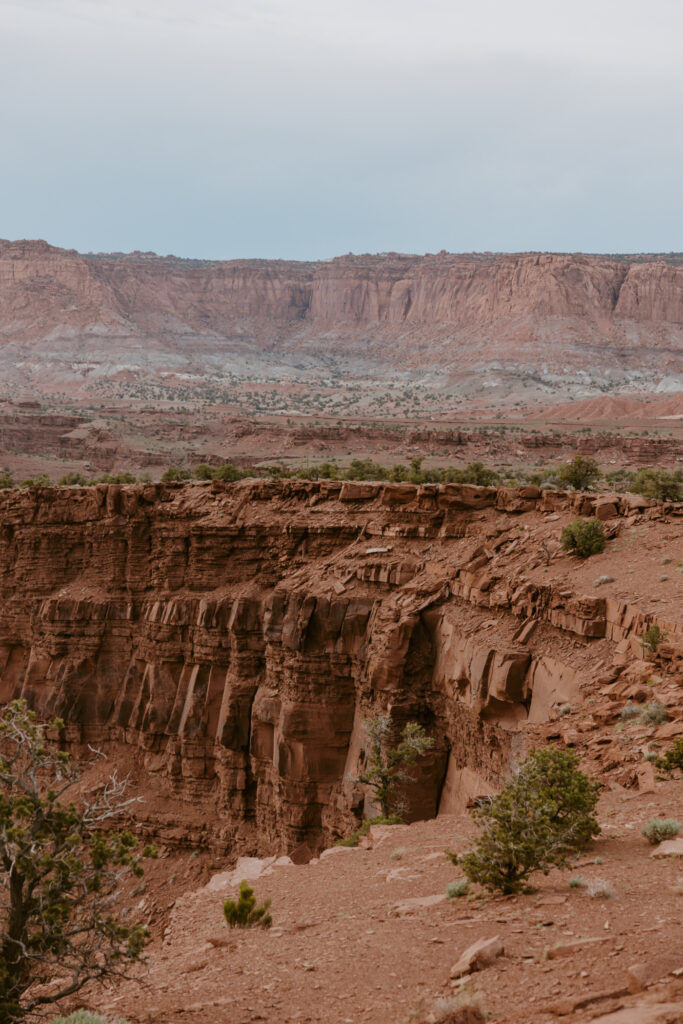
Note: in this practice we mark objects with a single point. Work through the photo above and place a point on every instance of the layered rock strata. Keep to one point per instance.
(232, 639)
(529, 312)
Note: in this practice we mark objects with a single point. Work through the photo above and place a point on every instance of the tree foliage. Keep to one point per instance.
(658, 484)
(543, 815)
(384, 768)
(673, 758)
(580, 473)
(243, 912)
(653, 637)
(584, 537)
(62, 868)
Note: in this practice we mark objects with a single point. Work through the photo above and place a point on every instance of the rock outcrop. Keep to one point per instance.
(234, 638)
(526, 312)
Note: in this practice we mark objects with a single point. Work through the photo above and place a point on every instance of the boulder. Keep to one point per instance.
(669, 848)
(476, 957)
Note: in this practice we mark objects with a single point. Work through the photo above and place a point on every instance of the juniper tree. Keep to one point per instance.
(384, 769)
(536, 822)
(62, 869)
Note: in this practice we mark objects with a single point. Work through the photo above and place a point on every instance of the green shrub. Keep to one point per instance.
(542, 816)
(673, 758)
(117, 478)
(658, 484)
(659, 829)
(73, 480)
(584, 537)
(39, 480)
(243, 912)
(457, 889)
(652, 638)
(654, 713)
(580, 473)
(6, 480)
(175, 473)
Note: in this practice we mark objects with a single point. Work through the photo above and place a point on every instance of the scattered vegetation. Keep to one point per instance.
(654, 713)
(629, 712)
(652, 638)
(600, 889)
(61, 873)
(577, 882)
(354, 838)
(658, 484)
(673, 758)
(384, 770)
(542, 816)
(659, 829)
(243, 912)
(175, 474)
(584, 537)
(457, 889)
(581, 473)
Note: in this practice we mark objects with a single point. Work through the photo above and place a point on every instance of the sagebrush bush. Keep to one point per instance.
(629, 712)
(543, 815)
(601, 889)
(456, 889)
(243, 912)
(654, 713)
(584, 537)
(659, 829)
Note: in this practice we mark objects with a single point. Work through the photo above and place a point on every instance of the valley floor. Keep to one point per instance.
(367, 936)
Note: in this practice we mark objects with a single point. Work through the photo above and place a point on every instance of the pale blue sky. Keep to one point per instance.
(310, 128)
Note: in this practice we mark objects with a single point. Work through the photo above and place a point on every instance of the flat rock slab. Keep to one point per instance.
(477, 956)
(663, 1013)
(417, 903)
(669, 848)
(567, 948)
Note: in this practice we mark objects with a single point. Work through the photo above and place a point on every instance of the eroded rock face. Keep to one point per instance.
(551, 310)
(234, 638)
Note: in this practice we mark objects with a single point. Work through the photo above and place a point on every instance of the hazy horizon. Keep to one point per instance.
(296, 129)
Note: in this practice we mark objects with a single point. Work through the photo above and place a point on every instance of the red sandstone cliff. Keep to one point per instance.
(453, 312)
(234, 637)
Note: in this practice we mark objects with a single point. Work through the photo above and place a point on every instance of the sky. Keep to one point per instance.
(305, 129)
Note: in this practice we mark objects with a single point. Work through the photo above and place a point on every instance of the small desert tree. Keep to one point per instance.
(61, 872)
(384, 768)
(580, 473)
(542, 815)
(652, 638)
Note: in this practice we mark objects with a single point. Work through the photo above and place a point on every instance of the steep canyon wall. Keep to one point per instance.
(230, 640)
(532, 310)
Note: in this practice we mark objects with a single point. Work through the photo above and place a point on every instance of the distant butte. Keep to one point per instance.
(534, 320)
